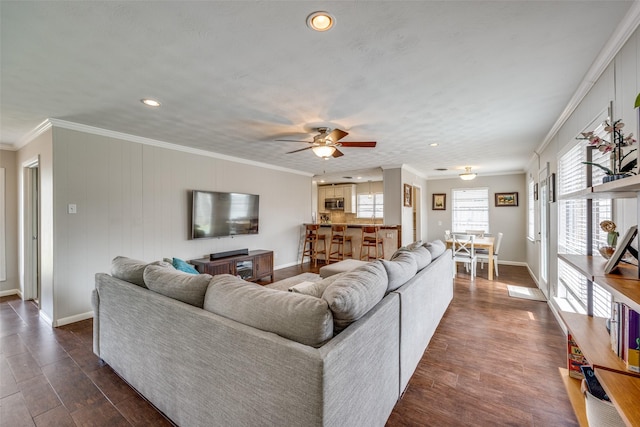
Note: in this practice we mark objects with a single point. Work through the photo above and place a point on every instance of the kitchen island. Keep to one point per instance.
(390, 234)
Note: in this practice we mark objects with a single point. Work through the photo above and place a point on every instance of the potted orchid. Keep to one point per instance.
(614, 145)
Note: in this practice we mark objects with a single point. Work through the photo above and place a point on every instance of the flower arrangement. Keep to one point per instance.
(612, 234)
(613, 146)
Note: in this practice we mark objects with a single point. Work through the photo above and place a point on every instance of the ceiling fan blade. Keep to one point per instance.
(337, 134)
(302, 149)
(337, 153)
(361, 144)
(293, 140)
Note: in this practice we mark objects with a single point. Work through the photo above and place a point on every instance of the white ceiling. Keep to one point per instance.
(486, 80)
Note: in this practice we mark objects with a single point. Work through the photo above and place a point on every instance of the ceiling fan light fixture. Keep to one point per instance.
(467, 175)
(320, 21)
(324, 151)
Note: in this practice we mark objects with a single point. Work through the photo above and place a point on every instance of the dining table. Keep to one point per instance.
(485, 242)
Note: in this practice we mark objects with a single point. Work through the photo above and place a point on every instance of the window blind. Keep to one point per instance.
(470, 209)
(370, 205)
(572, 226)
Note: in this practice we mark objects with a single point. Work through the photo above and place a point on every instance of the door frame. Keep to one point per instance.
(544, 209)
(31, 230)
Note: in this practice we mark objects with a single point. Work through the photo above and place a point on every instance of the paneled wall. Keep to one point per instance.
(619, 83)
(133, 200)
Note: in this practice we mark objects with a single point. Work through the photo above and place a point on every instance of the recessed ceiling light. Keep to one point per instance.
(320, 21)
(433, 144)
(359, 177)
(150, 102)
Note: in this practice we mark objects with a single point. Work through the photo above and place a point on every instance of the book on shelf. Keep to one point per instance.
(632, 339)
(575, 358)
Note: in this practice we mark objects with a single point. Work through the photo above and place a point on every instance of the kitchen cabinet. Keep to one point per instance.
(349, 194)
(322, 195)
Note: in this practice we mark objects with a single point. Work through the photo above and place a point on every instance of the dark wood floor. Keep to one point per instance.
(493, 361)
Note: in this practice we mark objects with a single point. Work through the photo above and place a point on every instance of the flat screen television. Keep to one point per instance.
(218, 214)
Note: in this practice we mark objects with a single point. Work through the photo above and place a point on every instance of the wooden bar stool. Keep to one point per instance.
(310, 246)
(340, 239)
(371, 239)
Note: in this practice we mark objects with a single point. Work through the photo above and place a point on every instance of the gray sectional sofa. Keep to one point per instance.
(219, 351)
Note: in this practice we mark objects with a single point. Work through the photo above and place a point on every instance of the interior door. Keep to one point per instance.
(32, 231)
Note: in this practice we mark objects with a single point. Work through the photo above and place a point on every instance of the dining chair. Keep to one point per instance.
(477, 233)
(483, 254)
(463, 251)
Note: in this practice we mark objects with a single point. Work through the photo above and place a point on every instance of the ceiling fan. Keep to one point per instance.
(325, 144)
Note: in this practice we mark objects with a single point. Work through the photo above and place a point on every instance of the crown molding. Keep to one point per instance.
(620, 36)
(167, 145)
(33, 134)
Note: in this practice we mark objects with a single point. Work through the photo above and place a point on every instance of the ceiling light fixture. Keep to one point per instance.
(433, 144)
(320, 21)
(467, 175)
(324, 151)
(150, 102)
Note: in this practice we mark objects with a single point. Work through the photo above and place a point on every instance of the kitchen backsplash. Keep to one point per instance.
(339, 217)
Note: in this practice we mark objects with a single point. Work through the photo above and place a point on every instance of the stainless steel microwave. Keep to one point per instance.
(333, 204)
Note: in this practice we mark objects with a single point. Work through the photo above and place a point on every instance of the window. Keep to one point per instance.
(531, 209)
(573, 217)
(370, 205)
(470, 209)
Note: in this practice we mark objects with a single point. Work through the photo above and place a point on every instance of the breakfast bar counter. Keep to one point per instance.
(391, 236)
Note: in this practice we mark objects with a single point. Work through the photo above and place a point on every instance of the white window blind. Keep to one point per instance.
(572, 226)
(370, 205)
(531, 209)
(470, 209)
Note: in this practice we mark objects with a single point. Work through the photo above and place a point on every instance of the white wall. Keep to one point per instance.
(12, 283)
(618, 83)
(509, 220)
(133, 200)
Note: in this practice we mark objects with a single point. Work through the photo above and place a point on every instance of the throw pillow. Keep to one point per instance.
(185, 287)
(131, 270)
(437, 248)
(301, 318)
(356, 292)
(422, 256)
(400, 270)
(181, 265)
(316, 289)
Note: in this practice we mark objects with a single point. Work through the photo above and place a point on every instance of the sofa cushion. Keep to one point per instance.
(132, 270)
(185, 287)
(295, 316)
(402, 268)
(422, 256)
(316, 289)
(354, 293)
(437, 248)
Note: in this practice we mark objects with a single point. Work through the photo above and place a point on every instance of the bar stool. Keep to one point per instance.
(371, 239)
(340, 239)
(310, 245)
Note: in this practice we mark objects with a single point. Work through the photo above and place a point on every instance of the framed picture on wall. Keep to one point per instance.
(408, 195)
(439, 202)
(507, 199)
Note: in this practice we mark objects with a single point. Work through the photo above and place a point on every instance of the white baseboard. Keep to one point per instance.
(11, 292)
(74, 319)
(291, 264)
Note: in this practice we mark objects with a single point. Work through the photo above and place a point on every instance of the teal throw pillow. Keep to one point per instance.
(184, 266)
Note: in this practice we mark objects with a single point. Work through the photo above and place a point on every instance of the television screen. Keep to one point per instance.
(217, 214)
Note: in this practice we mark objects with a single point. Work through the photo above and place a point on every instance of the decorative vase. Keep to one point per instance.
(606, 251)
(608, 178)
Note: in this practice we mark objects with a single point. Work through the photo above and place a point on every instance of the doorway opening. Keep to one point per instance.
(31, 237)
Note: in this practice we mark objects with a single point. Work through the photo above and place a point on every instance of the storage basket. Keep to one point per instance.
(601, 413)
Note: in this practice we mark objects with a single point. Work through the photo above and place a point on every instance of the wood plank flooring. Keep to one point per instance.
(492, 362)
